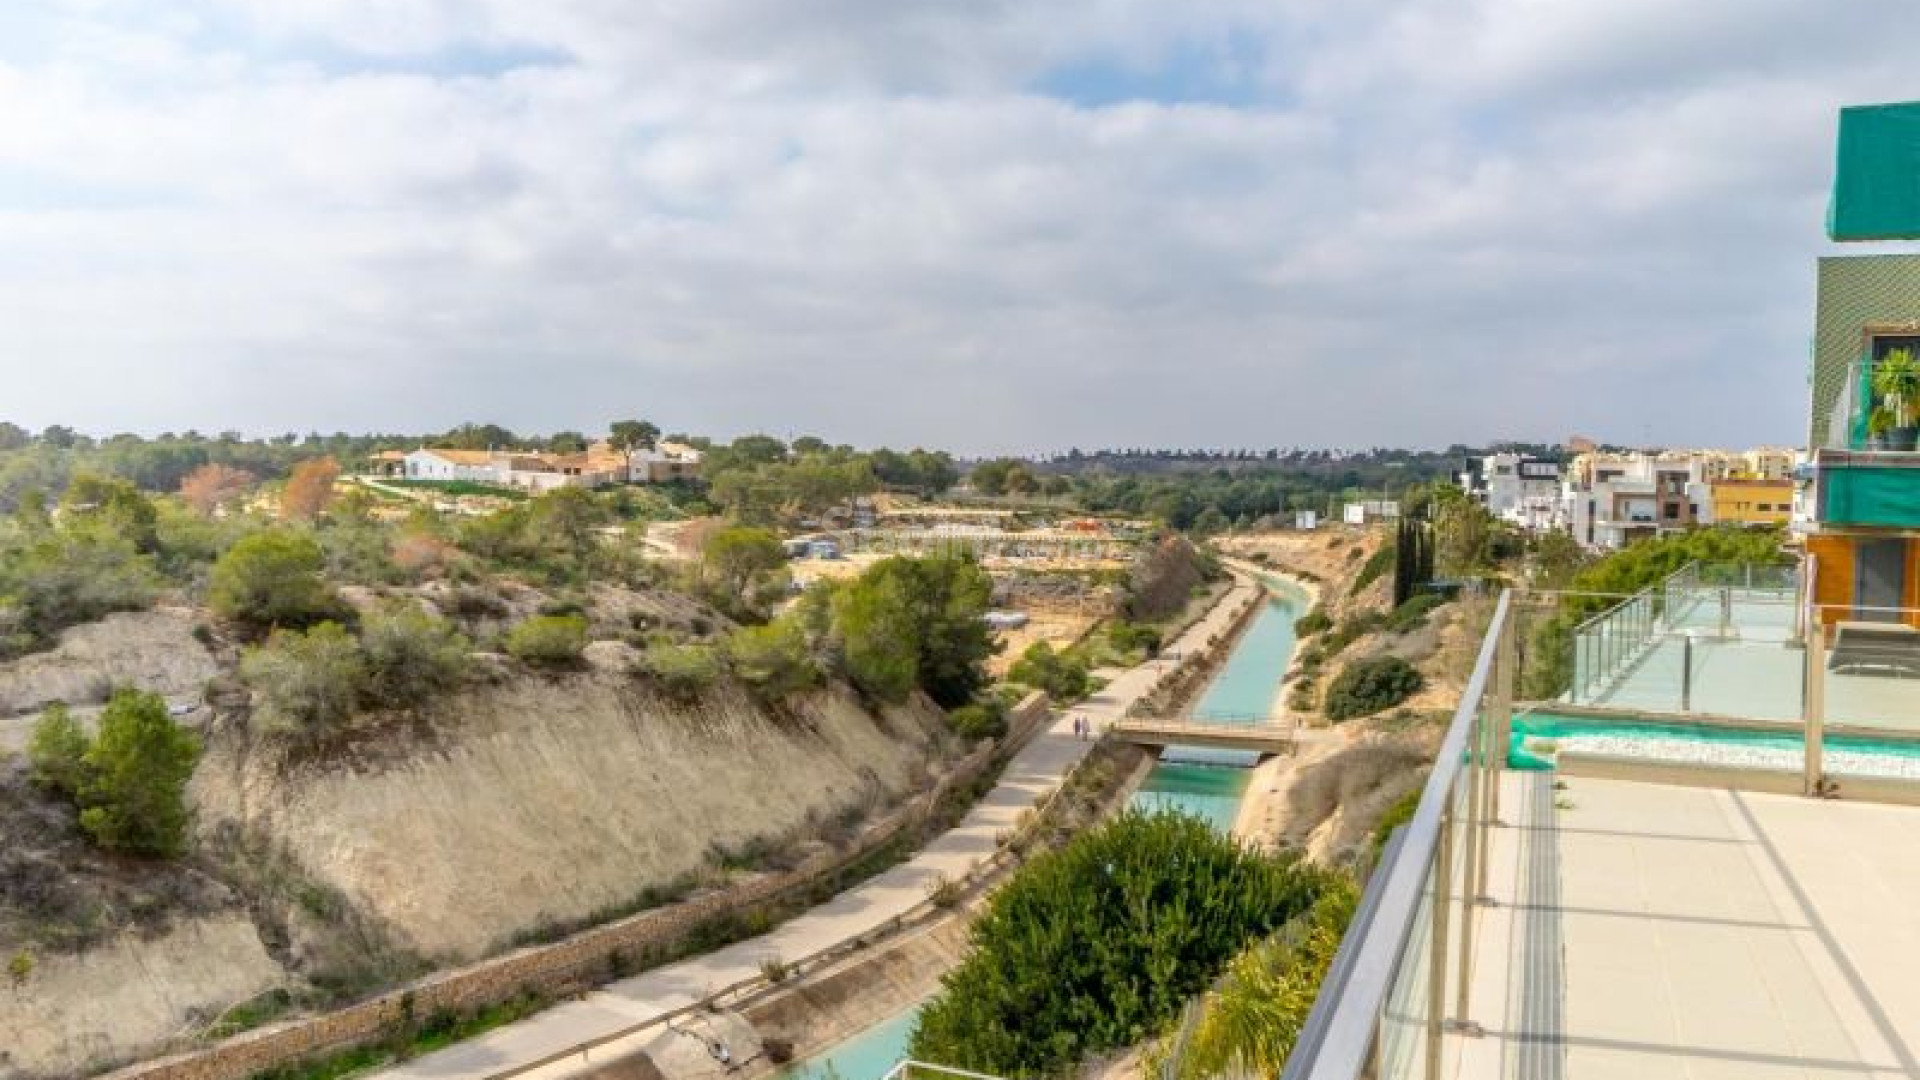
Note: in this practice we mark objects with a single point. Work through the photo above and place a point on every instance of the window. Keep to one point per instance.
(1671, 512)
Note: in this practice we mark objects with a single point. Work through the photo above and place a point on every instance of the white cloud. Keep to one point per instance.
(1444, 221)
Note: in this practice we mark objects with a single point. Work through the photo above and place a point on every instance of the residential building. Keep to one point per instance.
(664, 463)
(1863, 539)
(1521, 489)
(449, 466)
(1611, 500)
(1743, 500)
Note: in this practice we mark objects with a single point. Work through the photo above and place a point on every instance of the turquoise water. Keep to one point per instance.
(1211, 792)
(866, 1056)
(1553, 726)
(1209, 783)
(1245, 688)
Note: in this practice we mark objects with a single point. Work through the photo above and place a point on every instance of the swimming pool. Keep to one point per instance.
(1704, 744)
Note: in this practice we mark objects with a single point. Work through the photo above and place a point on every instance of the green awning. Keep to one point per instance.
(1876, 184)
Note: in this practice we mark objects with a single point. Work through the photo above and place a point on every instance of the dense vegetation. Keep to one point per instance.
(1251, 1020)
(128, 783)
(1099, 944)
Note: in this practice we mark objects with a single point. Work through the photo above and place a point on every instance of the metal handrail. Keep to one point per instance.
(1347, 1024)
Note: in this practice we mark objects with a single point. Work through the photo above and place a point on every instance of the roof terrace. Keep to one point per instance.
(1583, 910)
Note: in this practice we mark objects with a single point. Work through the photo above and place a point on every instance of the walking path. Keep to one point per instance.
(860, 911)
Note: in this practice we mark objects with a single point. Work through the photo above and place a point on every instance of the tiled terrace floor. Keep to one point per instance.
(1661, 931)
(1755, 673)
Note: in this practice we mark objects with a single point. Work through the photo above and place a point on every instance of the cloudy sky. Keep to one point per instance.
(984, 224)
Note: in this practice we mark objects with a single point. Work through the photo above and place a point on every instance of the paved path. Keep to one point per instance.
(861, 910)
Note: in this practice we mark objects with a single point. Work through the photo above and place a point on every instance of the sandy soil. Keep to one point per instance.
(1057, 629)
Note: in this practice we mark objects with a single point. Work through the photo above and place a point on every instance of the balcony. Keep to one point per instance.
(1615, 916)
(1858, 482)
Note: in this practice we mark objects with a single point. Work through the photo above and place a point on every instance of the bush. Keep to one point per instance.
(274, 578)
(979, 720)
(1367, 686)
(1250, 1022)
(684, 670)
(134, 796)
(410, 656)
(307, 682)
(1376, 565)
(1413, 614)
(1093, 946)
(773, 659)
(1063, 677)
(549, 640)
(55, 751)
(65, 579)
(1132, 637)
(1313, 622)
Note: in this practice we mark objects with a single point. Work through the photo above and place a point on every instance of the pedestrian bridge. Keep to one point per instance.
(1261, 736)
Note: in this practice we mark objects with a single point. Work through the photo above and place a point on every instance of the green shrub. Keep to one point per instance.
(549, 640)
(1132, 637)
(134, 796)
(1062, 676)
(1250, 1022)
(684, 670)
(1096, 945)
(306, 682)
(1413, 614)
(1377, 564)
(1395, 816)
(1312, 622)
(56, 751)
(274, 578)
(67, 578)
(978, 720)
(1367, 686)
(773, 659)
(411, 656)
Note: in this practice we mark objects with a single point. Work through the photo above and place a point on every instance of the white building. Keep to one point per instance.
(663, 463)
(448, 466)
(1610, 500)
(1525, 491)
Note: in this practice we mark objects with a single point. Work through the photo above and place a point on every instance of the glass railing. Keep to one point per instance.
(1405, 969)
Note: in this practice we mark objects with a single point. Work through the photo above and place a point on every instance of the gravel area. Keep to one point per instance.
(1742, 756)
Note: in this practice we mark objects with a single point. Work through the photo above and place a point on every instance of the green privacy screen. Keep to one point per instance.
(1868, 496)
(1876, 187)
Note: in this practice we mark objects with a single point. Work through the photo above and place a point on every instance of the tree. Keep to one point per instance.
(14, 437)
(1063, 677)
(57, 750)
(214, 485)
(907, 622)
(410, 655)
(309, 489)
(633, 435)
(306, 683)
(134, 796)
(566, 442)
(549, 640)
(273, 578)
(733, 558)
(567, 521)
(112, 506)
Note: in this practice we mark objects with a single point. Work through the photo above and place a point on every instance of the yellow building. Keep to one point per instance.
(1748, 501)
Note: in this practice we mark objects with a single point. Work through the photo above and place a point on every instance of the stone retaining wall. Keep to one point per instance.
(581, 961)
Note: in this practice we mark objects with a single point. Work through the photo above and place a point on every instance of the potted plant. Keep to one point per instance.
(1879, 422)
(1896, 382)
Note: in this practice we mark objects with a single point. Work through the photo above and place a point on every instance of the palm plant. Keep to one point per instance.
(1896, 383)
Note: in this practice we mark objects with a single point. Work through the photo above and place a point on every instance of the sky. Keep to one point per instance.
(985, 225)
